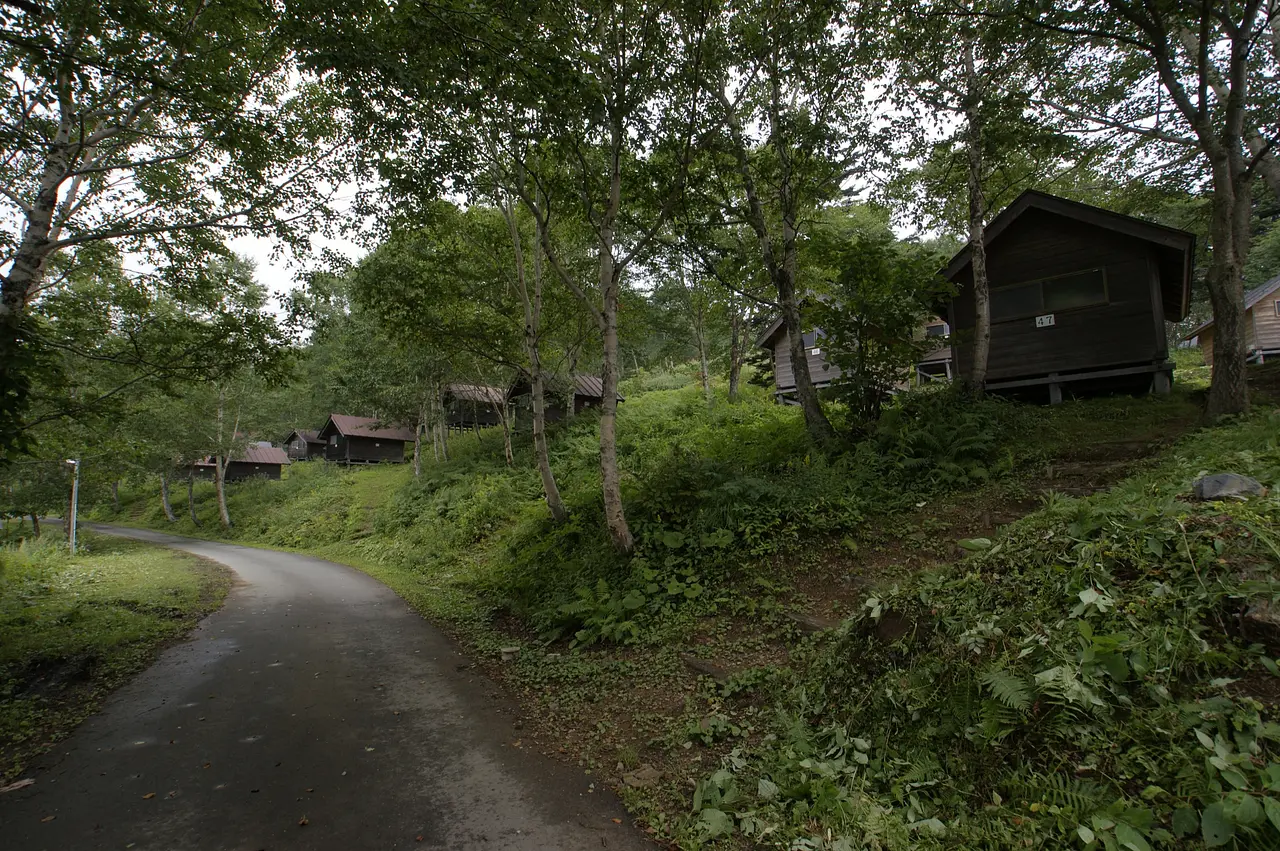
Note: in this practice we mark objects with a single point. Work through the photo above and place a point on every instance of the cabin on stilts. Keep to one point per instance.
(257, 460)
(1080, 298)
(303, 445)
(472, 406)
(587, 391)
(364, 440)
(1261, 325)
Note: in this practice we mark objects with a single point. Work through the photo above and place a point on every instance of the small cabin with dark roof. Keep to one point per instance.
(472, 406)
(1261, 325)
(257, 460)
(935, 366)
(303, 445)
(363, 440)
(588, 392)
(1079, 299)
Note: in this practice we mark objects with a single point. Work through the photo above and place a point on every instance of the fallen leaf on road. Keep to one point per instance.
(48, 818)
(311, 790)
(418, 838)
(18, 784)
(207, 764)
(368, 750)
(617, 821)
(148, 796)
(302, 822)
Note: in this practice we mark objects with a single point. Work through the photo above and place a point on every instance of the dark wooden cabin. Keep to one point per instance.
(363, 440)
(260, 460)
(1079, 299)
(303, 445)
(472, 406)
(588, 392)
(935, 366)
(1261, 325)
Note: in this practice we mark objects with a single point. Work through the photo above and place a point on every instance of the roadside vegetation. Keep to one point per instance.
(957, 632)
(72, 629)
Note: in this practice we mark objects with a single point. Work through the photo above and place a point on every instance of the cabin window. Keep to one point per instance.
(1071, 291)
(1051, 295)
(1277, 306)
(1015, 302)
(333, 440)
(938, 330)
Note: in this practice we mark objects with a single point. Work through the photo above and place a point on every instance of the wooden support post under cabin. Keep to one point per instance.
(1055, 390)
(1161, 385)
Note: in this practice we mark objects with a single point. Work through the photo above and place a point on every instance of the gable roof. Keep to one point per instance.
(349, 426)
(254, 453)
(1251, 298)
(762, 341)
(587, 386)
(1175, 249)
(306, 434)
(475, 393)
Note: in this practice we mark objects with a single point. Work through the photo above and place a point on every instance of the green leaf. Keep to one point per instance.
(1235, 778)
(1204, 739)
(673, 539)
(1272, 808)
(1008, 688)
(767, 790)
(1130, 838)
(1242, 808)
(1185, 821)
(716, 822)
(975, 545)
(1086, 835)
(1215, 828)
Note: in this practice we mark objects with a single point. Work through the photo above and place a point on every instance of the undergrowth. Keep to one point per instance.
(1100, 676)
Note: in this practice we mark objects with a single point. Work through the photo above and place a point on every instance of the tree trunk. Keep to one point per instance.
(1228, 229)
(35, 524)
(532, 303)
(782, 270)
(220, 485)
(191, 497)
(115, 496)
(164, 498)
(417, 443)
(610, 478)
(977, 379)
(736, 336)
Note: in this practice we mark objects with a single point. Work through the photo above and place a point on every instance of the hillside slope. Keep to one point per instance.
(649, 670)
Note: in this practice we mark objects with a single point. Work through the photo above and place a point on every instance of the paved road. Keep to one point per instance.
(317, 693)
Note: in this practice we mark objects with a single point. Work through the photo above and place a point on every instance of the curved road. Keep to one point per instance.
(314, 693)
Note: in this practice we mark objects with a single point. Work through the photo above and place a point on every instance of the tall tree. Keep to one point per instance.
(153, 128)
(782, 78)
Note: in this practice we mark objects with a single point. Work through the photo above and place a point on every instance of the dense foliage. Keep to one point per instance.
(1098, 676)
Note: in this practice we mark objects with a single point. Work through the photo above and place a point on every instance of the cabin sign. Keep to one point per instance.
(1045, 321)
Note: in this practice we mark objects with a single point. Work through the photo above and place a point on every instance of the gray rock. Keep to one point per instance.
(1227, 486)
(643, 777)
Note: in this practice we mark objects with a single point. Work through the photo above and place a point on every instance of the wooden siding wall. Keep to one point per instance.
(365, 450)
(1265, 327)
(1129, 329)
(1261, 329)
(785, 377)
(238, 471)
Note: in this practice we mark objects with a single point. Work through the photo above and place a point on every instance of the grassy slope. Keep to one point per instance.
(470, 547)
(73, 629)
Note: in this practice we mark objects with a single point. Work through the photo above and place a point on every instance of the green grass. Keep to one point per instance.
(73, 629)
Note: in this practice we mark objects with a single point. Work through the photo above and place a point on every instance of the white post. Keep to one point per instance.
(75, 500)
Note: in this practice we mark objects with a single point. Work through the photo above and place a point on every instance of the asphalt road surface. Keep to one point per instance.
(314, 711)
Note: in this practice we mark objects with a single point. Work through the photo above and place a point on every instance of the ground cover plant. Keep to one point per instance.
(74, 628)
(1101, 675)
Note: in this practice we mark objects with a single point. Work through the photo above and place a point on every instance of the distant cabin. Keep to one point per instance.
(1079, 299)
(363, 440)
(934, 366)
(260, 460)
(1261, 324)
(303, 445)
(588, 392)
(472, 406)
